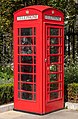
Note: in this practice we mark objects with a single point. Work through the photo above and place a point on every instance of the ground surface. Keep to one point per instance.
(62, 114)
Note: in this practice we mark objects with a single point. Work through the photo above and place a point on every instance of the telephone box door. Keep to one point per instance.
(54, 71)
(27, 88)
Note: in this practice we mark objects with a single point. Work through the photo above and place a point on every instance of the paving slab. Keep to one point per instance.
(62, 114)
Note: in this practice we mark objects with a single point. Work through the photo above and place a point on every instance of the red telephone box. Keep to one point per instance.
(38, 59)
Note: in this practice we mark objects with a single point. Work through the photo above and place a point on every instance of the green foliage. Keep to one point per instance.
(6, 93)
(71, 75)
(6, 74)
(73, 92)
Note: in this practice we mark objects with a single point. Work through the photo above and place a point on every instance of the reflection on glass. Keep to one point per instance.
(26, 59)
(26, 31)
(53, 68)
(54, 50)
(53, 86)
(54, 41)
(26, 68)
(26, 41)
(26, 50)
(26, 78)
(26, 96)
(53, 59)
(54, 31)
(26, 87)
(53, 77)
(53, 95)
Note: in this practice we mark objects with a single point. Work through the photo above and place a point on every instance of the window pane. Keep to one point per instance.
(53, 68)
(54, 31)
(26, 59)
(26, 87)
(26, 31)
(34, 96)
(34, 88)
(26, 50)
(34, 59)
(54, 50)
(25, 41)
(26, 68)
(26, 96)
(34, 69)
(34, 31)
(54, 41)
(53, 95)
(34, 78)
(34, 50)
(54, 59)
(26, 77)
(53, 86)
(53, 77)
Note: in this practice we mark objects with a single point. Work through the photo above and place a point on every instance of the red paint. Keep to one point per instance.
(48, 67)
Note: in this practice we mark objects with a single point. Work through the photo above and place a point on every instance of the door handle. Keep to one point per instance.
(45, 60)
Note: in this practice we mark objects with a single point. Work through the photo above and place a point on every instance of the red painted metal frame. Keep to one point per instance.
(42, 104)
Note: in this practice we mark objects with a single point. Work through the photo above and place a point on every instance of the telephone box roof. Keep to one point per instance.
(40, 8)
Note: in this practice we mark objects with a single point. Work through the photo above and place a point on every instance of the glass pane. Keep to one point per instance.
(26, 31)
(34, 59)
(53, 86)
(54, 31)
(18, 86)
(26, 96)
(26, 87)
(26, 68)
(26, 78)
(34, 69)
(19, 69)
(53, 95)
(34, 96)
(34, 78)
(34, 41)
(34, 50)
(25, 41)
(26, 50)
(53, 77)
(54, 59)
(53, 68)
(54, 50)
(34, 88)
(54, 41)
(34, 31)
(26, 59)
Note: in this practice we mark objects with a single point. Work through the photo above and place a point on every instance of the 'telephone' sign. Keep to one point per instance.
(53, 18)
(31, 17)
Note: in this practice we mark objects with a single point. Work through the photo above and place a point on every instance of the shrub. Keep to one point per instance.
(6, 93)
(71, 75)
(73, 92)
(6, 74)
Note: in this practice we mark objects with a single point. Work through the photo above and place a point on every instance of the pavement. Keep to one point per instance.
(62, 114)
